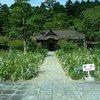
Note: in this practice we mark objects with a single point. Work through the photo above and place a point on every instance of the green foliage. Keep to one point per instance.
(72, 60)
(90, 24)
(40, 49)
(4, 19)
(36, 21)
(16, 44)
(16, 66)
(75, 75)
(49, 25)
(98, 45)
(58, 7)
(61, 17)
(32, 46)
(49, 3)
(67, 46)
(4, 40)
(36, 47)
(16, 18)
(15, 33)
(82, 16)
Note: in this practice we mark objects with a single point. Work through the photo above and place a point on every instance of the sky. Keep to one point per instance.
(32, 2)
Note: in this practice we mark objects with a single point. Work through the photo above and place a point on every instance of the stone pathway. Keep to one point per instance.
(51, 70)
(51, 84)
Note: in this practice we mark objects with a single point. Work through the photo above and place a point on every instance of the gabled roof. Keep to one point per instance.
(72, 34)
(58, 34)
(50, 33)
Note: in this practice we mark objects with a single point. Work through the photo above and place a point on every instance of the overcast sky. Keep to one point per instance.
(32, 2)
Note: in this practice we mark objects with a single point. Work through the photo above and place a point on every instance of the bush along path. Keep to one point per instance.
(17, 66)
(72, 62)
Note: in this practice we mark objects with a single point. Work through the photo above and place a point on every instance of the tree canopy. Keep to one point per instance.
(82, 16)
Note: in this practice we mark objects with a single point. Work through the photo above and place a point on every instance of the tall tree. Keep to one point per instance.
(90, 23)
(21, 11)
(77, 8)
(0, 19)
(58, 8)
(4, 19)
(50, 3)
(70, 8)
(16, 22)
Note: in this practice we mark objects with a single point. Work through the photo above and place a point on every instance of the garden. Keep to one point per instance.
(15, 66)
(72, 58)
(21, 21)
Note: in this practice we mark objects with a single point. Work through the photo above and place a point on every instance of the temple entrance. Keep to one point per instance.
(51, 47)
(51, 44)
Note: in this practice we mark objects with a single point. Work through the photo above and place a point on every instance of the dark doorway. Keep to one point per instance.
(51, 47)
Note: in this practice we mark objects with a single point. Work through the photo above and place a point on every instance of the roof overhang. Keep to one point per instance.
(59, 34)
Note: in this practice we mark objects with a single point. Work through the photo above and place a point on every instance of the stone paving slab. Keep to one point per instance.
(50, 91)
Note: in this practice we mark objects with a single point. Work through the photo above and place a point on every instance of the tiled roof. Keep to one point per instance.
(69, 34)
(58, 34)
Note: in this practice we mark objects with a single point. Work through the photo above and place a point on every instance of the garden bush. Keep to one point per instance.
(16, 44)
(4, 40)
(75, 75)
(73, 59)
(67, 46)
(15, 65)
